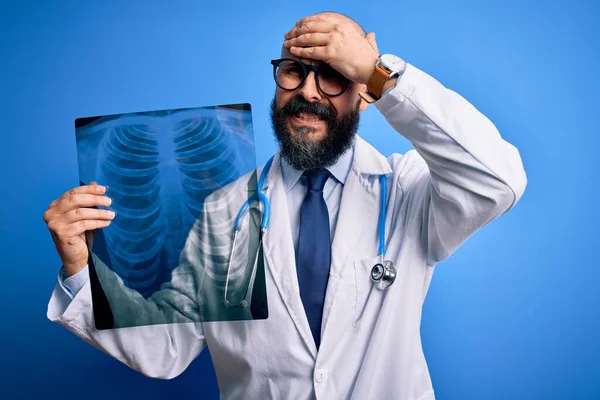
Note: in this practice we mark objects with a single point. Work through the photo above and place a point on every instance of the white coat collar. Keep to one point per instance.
(339, 170)
(368, 161)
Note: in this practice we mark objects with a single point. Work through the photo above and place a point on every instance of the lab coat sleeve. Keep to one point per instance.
(461, 175)
(144, 338)
(157, 351)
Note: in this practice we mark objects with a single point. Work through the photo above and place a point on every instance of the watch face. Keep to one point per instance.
(392, 62)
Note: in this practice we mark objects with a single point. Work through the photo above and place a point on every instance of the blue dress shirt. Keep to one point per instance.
(296, 186)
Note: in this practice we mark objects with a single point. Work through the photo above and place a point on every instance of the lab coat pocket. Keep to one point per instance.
(368, 298)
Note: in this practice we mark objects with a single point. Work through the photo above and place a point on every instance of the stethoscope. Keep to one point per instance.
(383, 274)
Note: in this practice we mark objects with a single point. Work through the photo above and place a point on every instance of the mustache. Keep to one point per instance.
(298, 104)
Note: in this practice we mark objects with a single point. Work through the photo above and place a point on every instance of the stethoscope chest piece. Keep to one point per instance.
(383, 274)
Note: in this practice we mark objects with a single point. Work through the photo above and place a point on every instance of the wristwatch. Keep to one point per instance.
(387, 67)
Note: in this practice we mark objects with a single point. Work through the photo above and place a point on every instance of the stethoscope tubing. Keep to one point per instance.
(264, 223)
(265, 220)
(267, 206)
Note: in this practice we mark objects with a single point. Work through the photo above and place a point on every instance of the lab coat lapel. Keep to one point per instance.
(279, 253)
(359, 206)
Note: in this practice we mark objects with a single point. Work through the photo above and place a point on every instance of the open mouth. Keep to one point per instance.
(307, 118)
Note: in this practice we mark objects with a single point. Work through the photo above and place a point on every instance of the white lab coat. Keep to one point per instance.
(461, 176)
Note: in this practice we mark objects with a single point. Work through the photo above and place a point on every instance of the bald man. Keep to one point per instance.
(334, 330)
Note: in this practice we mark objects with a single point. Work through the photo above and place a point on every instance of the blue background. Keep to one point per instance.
(513, 314)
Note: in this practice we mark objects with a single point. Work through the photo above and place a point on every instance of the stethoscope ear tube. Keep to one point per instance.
(262, 198)
(264, 223)
(383, 274)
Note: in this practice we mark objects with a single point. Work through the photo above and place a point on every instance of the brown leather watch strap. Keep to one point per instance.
(368, 97)
(375, 84)
(377, 81)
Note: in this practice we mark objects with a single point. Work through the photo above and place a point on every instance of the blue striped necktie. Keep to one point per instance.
(314, 251)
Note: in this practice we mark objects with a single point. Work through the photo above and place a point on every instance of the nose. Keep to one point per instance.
(309, 89)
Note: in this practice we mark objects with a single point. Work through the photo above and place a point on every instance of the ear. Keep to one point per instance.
(371, 39)
(363, 104)
(363, 88)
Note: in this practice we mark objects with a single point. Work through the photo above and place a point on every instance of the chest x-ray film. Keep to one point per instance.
(177, 179)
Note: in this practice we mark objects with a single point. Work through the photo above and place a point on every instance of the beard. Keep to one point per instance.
(300, 151)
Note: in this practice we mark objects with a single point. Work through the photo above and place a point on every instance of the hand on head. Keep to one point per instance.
(336, 40)
(327, 59)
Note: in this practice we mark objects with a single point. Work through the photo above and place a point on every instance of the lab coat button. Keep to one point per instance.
(321, 375)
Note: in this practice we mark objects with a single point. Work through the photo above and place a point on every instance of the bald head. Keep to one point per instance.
(347, 18)
(338, 17)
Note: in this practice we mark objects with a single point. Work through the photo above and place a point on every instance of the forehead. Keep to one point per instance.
(285, 53)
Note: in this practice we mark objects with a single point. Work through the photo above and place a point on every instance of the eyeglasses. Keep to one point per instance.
(290, 74)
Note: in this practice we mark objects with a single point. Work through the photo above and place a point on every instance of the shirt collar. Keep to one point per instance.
(339, 170)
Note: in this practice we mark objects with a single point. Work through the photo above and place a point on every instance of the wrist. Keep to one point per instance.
(389, 84)
(370, 70)
(388, 69)
(73, 269)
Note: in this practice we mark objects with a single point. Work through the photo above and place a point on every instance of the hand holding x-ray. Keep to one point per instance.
(174, 178)
(74, 215)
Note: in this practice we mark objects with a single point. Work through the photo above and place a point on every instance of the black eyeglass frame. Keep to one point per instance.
(306, 68)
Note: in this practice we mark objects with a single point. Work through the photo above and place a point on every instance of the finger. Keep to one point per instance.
(314, 53)
(73, 200)
(315, 18)
(92, 188)
(82, 213)
(79, 227)
(309, 27)
(309, 40)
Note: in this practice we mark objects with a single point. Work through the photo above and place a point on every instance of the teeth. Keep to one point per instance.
(308, 117)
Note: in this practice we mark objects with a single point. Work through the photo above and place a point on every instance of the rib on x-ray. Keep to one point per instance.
(159, 168)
